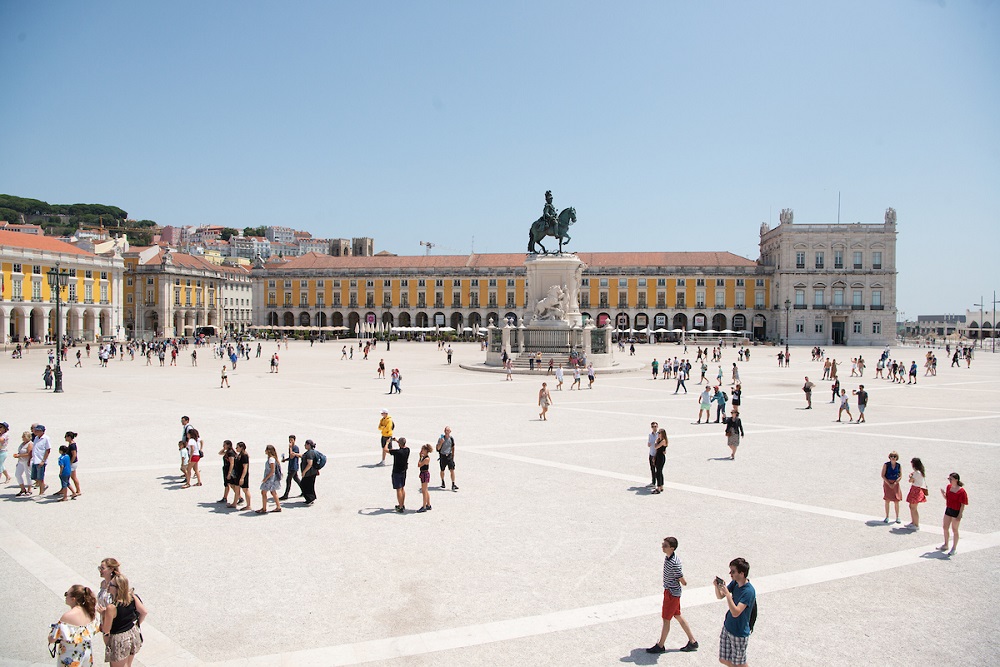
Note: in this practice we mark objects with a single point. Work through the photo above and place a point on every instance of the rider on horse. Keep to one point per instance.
(549, 214)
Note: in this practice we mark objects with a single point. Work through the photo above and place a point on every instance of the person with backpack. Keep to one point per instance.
(312, 462)
(720, 398)
(741, 615)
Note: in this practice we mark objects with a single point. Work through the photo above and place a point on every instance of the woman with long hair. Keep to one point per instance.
(956, 500)
(659, 459)
(195, 450)
(74, 458)
(107, 568)
(272, 480)
(918, 491)
(120, 623)
(228, 461)
(74, 634)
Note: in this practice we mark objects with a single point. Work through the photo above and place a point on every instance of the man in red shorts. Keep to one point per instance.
(673, 579)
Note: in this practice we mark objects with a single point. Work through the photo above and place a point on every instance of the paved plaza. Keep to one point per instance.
(549, 553)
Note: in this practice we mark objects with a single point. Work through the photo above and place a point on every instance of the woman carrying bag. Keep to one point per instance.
(120, 623)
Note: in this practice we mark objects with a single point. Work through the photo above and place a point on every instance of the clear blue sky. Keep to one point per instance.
(668, 125)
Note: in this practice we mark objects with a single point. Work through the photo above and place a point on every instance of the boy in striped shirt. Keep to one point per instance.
(673, 579)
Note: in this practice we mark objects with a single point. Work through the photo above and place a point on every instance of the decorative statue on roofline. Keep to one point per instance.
(550, 225)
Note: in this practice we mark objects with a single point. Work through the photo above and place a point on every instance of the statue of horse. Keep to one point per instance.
(541, 228)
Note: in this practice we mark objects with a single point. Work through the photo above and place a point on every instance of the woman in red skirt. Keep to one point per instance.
(918, 492)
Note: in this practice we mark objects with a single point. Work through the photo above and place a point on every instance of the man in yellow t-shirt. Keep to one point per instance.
(385, 426)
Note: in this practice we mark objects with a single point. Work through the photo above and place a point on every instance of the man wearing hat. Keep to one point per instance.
(39, 456)
(385, 427)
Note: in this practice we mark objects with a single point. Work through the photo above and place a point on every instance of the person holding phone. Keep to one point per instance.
(740, 597)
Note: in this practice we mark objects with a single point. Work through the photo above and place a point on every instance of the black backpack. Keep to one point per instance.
(753, 614)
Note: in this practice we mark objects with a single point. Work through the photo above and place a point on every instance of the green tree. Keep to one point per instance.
(228, 233)
(254, 231)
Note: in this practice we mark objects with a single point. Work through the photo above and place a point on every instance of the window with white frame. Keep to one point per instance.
(877, 259)
(800, 297)
(857, 259)
(818, 297)
(876, 327)
(876, 297)
(758, 299)
(857, 327)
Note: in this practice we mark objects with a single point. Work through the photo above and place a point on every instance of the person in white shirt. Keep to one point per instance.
(39, 457)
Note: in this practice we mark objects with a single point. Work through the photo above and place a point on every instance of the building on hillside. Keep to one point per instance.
(175, 236)
(250, 247)
(831, 284)
(34, 230)
(285, 235)
(284, 249)
(91, 302)
(321, 246)
(237, 298)
(205, 233)
(641, 290)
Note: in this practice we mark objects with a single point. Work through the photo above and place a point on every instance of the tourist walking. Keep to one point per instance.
(228, 454)
(734, 431)
(591, 375)
(74, 459)
(400, 461)
(424, 463)
(4, 440)
(673, 579)
(720, 398)
(956, 500)
(64, 470)
(39, 457)
(559, 378)
(891, 493)
(73, 635)
(862, 402)
(292, 474)
(22, 471)
(385, 426)
(844, 405)
(741, 598)
(545, 400)
(808, 389)
(225, 378)
(446, 456)
(681, 374)
(310, 471)
(195, 451)
(272, 480)
(576, 378)
(918, 492)
(241, 477)
(120, 623)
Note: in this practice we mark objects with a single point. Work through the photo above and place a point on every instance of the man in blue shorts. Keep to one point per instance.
(741, 598)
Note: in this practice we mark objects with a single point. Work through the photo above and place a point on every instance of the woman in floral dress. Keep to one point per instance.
(74, 634)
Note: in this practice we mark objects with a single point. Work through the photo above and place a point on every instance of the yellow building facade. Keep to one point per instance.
(91, 302)
(641, 291)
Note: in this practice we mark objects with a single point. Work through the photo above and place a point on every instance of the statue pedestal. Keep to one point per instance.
(545, 272)
(552, 325)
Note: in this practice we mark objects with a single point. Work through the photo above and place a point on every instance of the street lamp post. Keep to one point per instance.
(788, 305)
(57, 280)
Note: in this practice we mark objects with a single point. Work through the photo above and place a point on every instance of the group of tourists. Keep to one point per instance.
(115, 612)
(400, 453)
(955, 497)
(32, 457)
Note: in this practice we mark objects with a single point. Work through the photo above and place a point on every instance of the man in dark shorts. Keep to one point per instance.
(400, 461)
(446, 456)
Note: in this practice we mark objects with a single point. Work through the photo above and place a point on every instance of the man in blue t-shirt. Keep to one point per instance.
(740, 596)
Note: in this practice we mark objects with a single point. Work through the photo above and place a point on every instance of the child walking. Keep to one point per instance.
(424, 463)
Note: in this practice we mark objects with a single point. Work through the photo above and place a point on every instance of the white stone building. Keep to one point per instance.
(832, 284)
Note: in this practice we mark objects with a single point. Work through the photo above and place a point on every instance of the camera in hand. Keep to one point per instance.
(719, 581)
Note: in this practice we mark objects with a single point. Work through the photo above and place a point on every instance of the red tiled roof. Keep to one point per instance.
(315, 260)
(35, 242)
